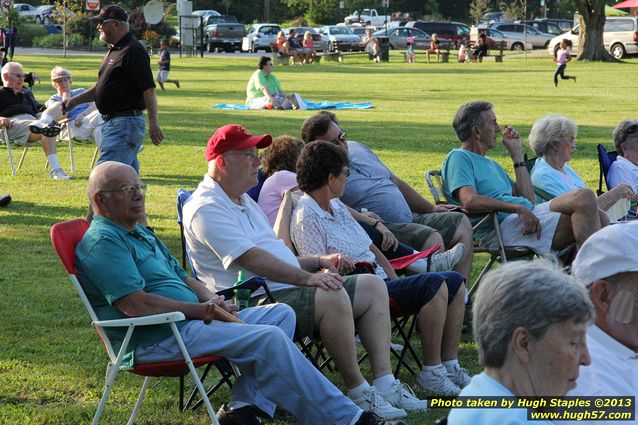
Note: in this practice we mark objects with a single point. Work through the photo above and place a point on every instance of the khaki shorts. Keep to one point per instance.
(19, 132)
(302, 301)
(415, 234)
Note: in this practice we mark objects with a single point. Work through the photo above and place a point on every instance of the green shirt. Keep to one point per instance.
(258, 81)
(113, 262)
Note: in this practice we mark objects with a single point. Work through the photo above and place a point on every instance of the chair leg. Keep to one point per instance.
(97, 150)
(11, 163)
(71, 153)
(486, 269)
(399, 325)
(111, 373)
(140, 399)
(193, 371)
(24, 154)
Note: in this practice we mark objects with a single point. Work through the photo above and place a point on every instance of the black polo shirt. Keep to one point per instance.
(124, 75)
(23, 102)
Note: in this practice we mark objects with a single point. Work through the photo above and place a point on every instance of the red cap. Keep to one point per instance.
(234, 137)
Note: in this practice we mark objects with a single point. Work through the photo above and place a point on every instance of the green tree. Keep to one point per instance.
(478, 8)
(592, 22)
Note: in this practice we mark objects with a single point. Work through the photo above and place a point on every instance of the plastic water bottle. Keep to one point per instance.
(242, 295)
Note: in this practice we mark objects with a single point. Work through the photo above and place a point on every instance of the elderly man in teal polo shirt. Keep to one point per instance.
(264, 89)
(126, 271)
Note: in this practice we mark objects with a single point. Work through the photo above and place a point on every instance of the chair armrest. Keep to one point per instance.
(154, 319)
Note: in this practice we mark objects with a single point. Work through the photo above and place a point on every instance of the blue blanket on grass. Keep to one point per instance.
(309, 105)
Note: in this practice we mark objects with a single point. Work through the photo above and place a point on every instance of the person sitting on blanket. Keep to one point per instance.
(84, 120)
(322, 225)
(478, 183)
(553, 139)
(264, 89)
(279, 166)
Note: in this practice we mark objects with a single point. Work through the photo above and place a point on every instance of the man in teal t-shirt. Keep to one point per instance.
(478, 183)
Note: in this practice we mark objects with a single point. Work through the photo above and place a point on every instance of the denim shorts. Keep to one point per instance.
(121, 140)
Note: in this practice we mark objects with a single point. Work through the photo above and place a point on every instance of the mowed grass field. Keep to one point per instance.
(52, 363)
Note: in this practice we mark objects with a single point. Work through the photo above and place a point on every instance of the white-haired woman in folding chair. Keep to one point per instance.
(85, 120)
(553, 139)
(321, 224)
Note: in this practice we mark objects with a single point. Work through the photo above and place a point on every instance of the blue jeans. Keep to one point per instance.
(274, 372)
(410, 293)
(121, 140)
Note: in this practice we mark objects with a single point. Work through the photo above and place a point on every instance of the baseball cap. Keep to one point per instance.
(59, 72)
(235, 137)
(111, 11)
(609, 251)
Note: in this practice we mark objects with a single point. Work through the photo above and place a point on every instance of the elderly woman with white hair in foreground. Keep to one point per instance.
(530, 322)
(553, 139)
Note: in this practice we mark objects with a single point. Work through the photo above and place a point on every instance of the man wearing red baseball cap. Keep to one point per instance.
(228, 233)
(125, 87)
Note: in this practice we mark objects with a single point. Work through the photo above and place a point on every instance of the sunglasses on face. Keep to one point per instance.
(341, 138)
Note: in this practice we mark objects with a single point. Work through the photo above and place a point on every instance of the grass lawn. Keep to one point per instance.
(51, 362)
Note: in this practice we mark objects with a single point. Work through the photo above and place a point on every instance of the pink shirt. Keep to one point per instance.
(561, 56)
(272, 192)
(308, 43)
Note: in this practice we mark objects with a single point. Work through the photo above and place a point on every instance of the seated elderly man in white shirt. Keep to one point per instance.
(227, 233)
(607, 264)
(625, 168)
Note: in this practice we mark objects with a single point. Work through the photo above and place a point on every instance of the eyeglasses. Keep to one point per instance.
(129, 189)
(20, 76)
(341, 138)
(106, 21)
(251, 155)
(347, 172)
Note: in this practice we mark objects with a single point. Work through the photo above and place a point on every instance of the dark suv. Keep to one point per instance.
(456, 32)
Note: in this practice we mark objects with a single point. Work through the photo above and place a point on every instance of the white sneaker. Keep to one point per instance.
(373, 402)
(59, 174)
(460, 376)
(402, 396)
(447, 260)
(436, 382)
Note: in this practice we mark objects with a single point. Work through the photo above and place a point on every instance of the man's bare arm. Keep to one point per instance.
(263, 263)
(154, 129)
(142, 303)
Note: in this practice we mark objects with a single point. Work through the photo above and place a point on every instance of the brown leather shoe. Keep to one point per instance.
(246, 415)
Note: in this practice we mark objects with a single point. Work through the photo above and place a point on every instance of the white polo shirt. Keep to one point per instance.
(613, 371)
(218, 231)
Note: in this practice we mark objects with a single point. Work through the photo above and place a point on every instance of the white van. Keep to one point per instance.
(620, 37)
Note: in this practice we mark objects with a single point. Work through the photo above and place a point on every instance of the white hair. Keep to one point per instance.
(548, 131)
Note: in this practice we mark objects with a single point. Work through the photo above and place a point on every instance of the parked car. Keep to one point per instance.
(368, 17)
(620, 37)
(207, 12)
(54, 29)
(491, 17)
(29, 12)
(359, 30)
(259, 36)
(341, 38)
(565, 25)
(398, 37)
(49, 14)
(494, 38)
(456, 32)
(224, 37)
(317, 42)
(220, 19)
(543, 26)
(537, 38)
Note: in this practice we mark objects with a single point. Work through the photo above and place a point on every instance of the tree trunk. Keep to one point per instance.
(590, 40)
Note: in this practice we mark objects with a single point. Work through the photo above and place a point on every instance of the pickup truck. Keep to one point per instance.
(368, 17)
(224, 36)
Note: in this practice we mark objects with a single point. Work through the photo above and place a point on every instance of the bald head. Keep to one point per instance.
(114, 190)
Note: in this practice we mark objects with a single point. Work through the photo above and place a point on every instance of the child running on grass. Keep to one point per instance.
(164, 66)
(563, 55)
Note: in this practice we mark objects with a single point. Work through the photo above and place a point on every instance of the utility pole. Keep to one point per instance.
(266, 10)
